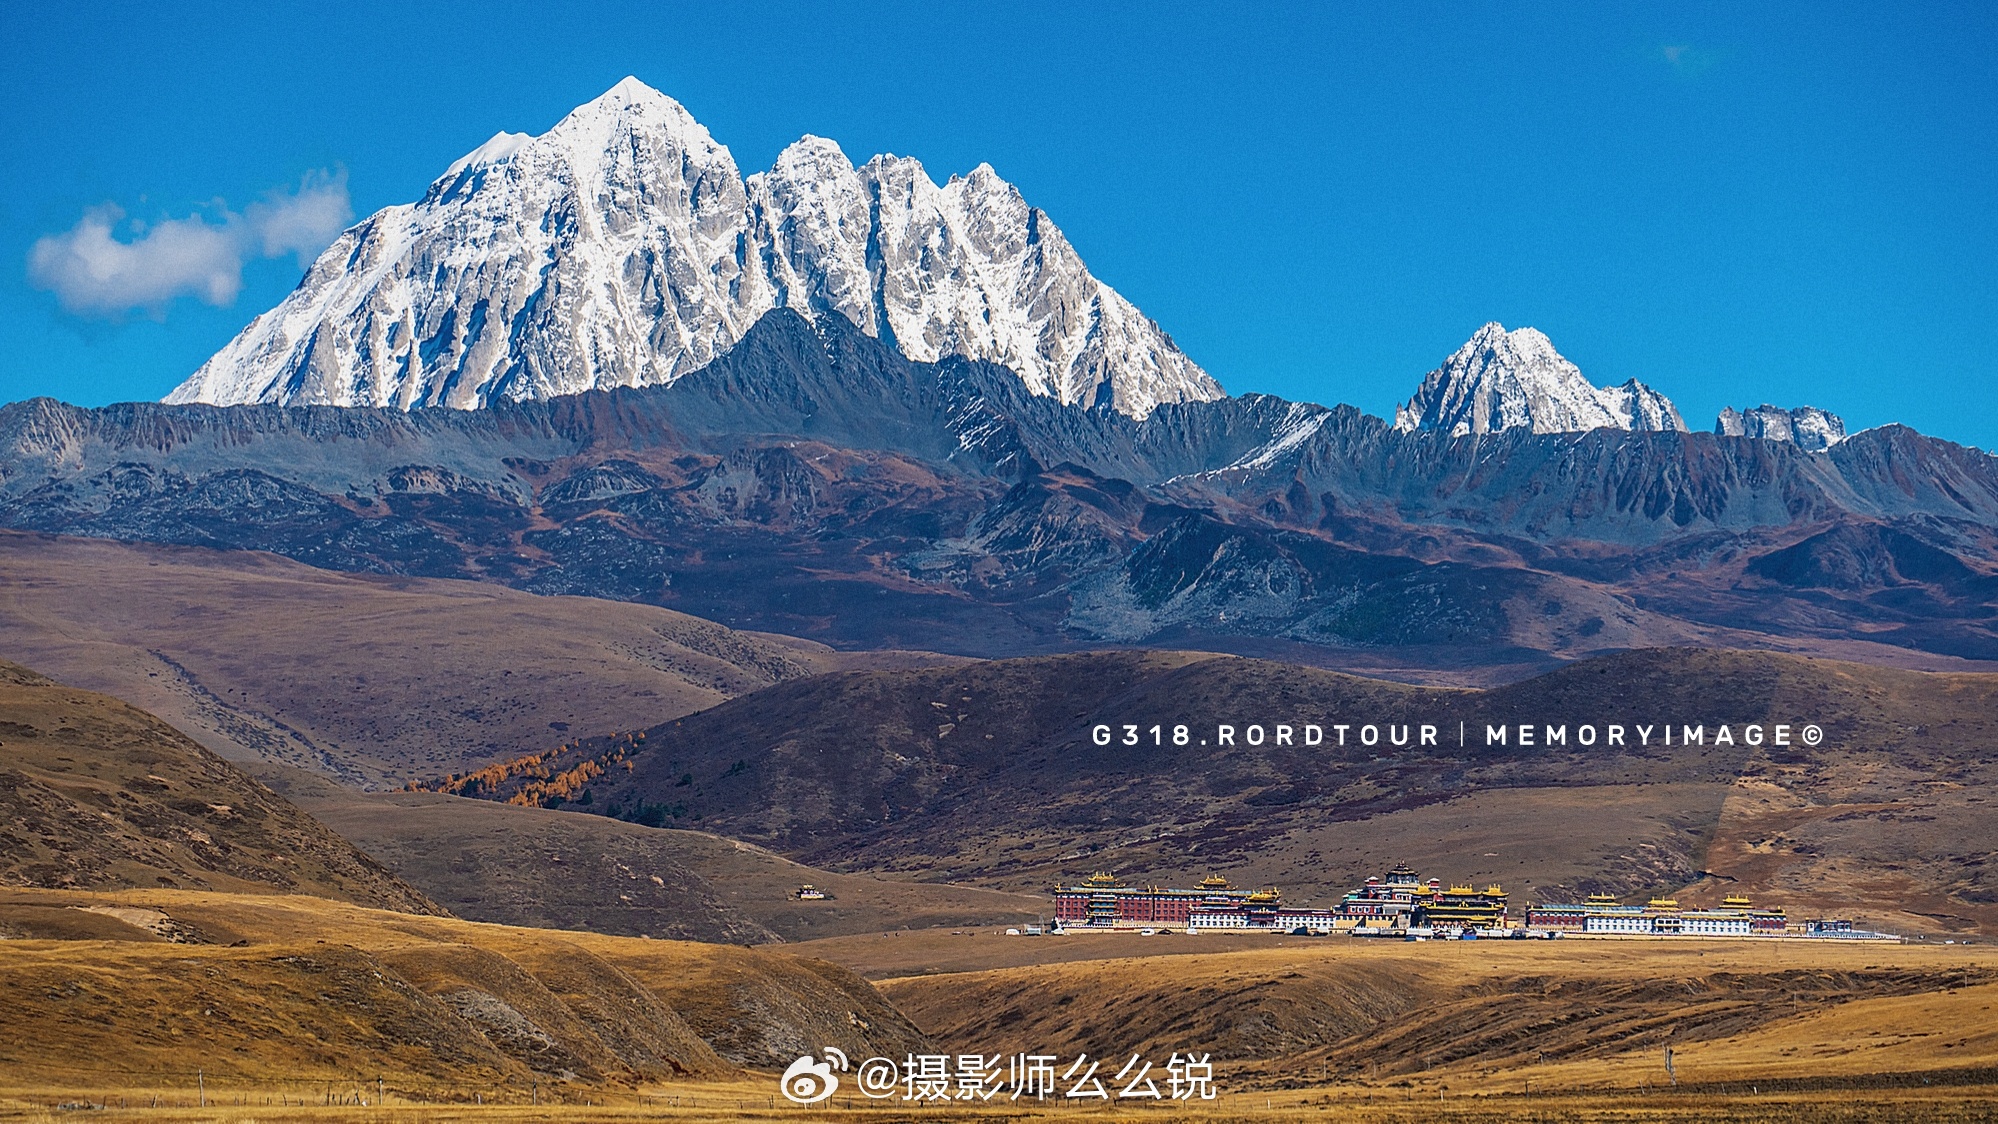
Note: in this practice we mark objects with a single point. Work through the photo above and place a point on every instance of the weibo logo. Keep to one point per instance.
(809, 1080)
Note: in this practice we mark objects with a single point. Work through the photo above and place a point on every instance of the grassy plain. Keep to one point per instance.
(296, 1000)
(754, 1101)
(1571, 1030)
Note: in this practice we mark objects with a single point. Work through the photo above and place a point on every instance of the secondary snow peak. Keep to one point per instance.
(1501, 380)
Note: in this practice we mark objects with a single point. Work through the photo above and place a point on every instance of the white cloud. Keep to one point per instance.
(95, 273)
(304, 222)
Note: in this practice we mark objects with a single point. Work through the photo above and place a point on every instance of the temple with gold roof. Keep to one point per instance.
(1102, 903)
(1605, 914)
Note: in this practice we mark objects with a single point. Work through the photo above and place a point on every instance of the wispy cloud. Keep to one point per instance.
(94, 272)
(1687, 60)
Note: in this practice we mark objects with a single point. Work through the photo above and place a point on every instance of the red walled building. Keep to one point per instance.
(1100, 902)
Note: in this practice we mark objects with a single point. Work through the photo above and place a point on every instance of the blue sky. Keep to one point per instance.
(1735, 204)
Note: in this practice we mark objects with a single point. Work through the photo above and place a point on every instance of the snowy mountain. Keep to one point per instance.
(623, 247)
(816, 481)
(1510, 380)
(1807, 427)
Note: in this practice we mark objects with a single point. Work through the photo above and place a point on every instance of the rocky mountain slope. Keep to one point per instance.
(814, 481)
(624, 248)
(850, 404)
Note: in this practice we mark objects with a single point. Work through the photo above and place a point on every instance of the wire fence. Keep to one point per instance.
(106, 1087)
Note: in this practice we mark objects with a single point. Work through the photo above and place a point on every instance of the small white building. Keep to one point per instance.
(1618, 923)
(1702, 924)
(1208, 922)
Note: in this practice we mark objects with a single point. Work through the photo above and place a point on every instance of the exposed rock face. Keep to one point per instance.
(1806, 427)
(1503, 380)
(814, 480)
(623, 248)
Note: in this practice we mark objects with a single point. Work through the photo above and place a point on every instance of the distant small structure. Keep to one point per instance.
(811, 893)
(1402, 904)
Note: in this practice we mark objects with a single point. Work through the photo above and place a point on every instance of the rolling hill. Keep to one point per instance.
(369, 678)
(989, 773)
(554, 869)
(95, 794)
(295, 991)
(1498, 1017)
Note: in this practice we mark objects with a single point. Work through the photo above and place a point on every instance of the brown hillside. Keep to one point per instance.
(310, 990)
(373, 679)
(95, 794)
(989, 772)
(1521, 1014)
(531, 866)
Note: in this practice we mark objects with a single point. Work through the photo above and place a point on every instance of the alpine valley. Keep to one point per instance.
(610, 559)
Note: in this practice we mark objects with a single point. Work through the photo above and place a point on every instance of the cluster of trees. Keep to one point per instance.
(543, 780)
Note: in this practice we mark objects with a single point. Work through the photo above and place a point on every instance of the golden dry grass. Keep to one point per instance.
(756, 1101)
(309, 991)
(1492, 1015)
(322, 998)
(97, 794)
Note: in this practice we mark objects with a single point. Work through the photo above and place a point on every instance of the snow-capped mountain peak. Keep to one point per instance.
(1501, 380)
(628, 91)
(623, 247)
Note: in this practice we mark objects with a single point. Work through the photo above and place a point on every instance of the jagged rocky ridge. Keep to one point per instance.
(814, 480)
(1807, 427)
(624, 248)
